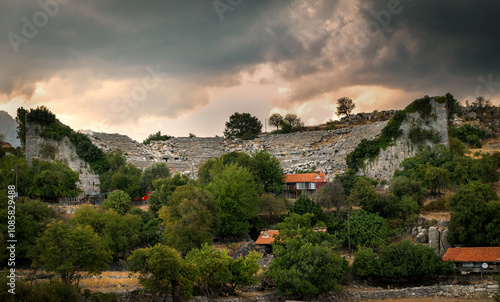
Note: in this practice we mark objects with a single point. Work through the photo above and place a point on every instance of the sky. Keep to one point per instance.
(180, 67)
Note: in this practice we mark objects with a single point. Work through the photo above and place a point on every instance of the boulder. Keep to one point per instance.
(444, 245)
(421, 237)
(434, 238)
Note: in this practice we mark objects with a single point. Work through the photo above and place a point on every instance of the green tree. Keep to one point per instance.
(296, 225)
(215, 269)
(242, 125)
(120, 175)
(474, 219)
(53, 180)
(365, 263)
(403, 186)
(118, 201)
(345, 106)
(150, 227)
(348, 180)
(32, 218)
(303, 268)
(163, 189)
(293, 120)
(191, 219)
(210, 167)
(305, 205)
(236, 193)
(162, 271)
(332, 195)
(269, 172)
(156, 137)
(119, 233)
(152, 173)
(276, 120)
(271, 207)
(405, 260)
(68, 251)
(367, 229)
(365, 195)
(435, 178)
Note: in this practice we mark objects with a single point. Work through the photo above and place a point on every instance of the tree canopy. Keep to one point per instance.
(152, 173)
(118, 201)
(475, 219)
(305, 262)
(236, 193)
(162, 271)
(69, 250)
(191, 218)
(242, 125)
(345, 106)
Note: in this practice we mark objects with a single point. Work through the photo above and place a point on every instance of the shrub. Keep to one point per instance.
(156, 137)
(417, 135)
(365, 263)
(405, 260)
(469, 135)
(303, 268)
(118, 201)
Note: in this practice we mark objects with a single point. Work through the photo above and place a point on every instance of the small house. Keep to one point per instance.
(266, 239)
(305, 184)
(474, 259)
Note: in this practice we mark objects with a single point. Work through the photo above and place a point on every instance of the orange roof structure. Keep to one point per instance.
(307, 177)
(267, 237)
(473, 254)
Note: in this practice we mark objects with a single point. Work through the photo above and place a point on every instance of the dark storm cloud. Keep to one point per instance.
(114, 37)
(316, 47)
(434, 45)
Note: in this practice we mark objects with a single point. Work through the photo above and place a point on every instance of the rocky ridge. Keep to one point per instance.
(323, 150)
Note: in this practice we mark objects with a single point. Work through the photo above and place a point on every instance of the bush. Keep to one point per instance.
(417, 135)
(365, 263)
(367, 229)
(302, 268)
(305, 205)
(403, 186)
(405, 260)
(118, 201)
(469, 135)
(156, 137)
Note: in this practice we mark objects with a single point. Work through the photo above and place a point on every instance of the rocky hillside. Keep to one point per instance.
(8, 127)
(313, 150)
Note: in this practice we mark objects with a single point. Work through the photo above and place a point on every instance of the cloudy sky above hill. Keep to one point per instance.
(136, 67)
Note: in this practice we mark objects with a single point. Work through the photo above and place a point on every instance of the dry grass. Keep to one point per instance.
(104, 283)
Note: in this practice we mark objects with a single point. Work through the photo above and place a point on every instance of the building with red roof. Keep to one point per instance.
(474, 259)
(305, 184)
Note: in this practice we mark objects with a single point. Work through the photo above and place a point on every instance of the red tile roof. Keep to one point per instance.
(307, 177)
(267, 238)
(473, 254)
